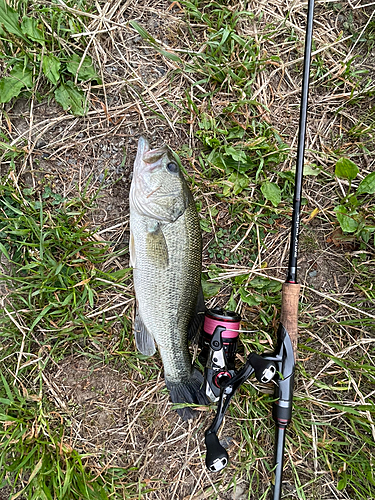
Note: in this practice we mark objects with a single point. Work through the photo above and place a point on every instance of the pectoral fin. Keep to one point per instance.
(143, 339)
(156, 248)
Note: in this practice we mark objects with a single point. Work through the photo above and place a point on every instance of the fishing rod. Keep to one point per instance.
(221, 329)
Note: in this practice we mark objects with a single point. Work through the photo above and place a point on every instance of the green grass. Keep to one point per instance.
(54, 281)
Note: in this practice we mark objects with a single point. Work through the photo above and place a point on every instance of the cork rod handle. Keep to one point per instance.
(289, 312)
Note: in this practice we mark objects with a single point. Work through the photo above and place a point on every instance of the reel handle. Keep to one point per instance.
(216, 456)
(265, 370)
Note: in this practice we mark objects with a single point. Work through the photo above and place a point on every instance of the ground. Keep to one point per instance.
(109, 403)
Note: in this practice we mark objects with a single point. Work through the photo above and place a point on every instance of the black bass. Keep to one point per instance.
(166, 256)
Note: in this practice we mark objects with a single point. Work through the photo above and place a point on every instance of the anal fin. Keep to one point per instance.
(143, 339)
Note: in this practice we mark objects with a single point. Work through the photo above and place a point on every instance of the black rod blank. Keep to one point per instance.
(292, 267)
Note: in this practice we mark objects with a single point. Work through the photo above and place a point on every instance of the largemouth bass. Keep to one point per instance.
(166, 256)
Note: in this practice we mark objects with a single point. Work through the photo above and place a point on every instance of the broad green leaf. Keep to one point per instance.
(86, 70)
(51, 68)
(29, 27)
(231, 305)
(11, 86)
(265, 284)
(347, 223)
(9, 19)
(22, 74)
(251, 298)
(205, 225)
(353, 201)
(209, 289)
(341, 485)
(346, 169)
(240, 182)
(310, 170)
(271, 192)
(236, 154)
(70, 98)
(367, 185)
(236, 133)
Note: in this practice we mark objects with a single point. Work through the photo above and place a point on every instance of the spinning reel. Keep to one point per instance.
(219, 342)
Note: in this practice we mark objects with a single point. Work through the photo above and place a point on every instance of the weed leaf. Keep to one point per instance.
(346, 169)
(310, 170)
(86, 70)
(29, 27)
(41, 315)
(271, 192)
(143, 33)
(237, 155)
(36, 470)
(209, 289)
(347, 223)
(9, 89)
(22, 74)
(367, 185)
(70, 98)
(9, 19)
(11, 86)
(4, 251)
(51, 68)
(250, 298)
(7, 388)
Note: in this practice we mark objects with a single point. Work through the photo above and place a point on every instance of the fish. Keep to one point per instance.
(166, 256)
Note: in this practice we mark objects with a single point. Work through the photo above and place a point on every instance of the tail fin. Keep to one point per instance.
(191, 391)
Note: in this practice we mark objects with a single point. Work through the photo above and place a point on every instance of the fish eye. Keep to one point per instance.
(172, 167)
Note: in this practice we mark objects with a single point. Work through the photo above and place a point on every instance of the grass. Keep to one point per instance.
(81, 414)
(54, 283)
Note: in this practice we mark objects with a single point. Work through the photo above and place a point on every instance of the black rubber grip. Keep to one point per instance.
(216, 457)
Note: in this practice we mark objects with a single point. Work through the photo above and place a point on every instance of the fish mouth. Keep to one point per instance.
(143, 148)
(146, 159)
